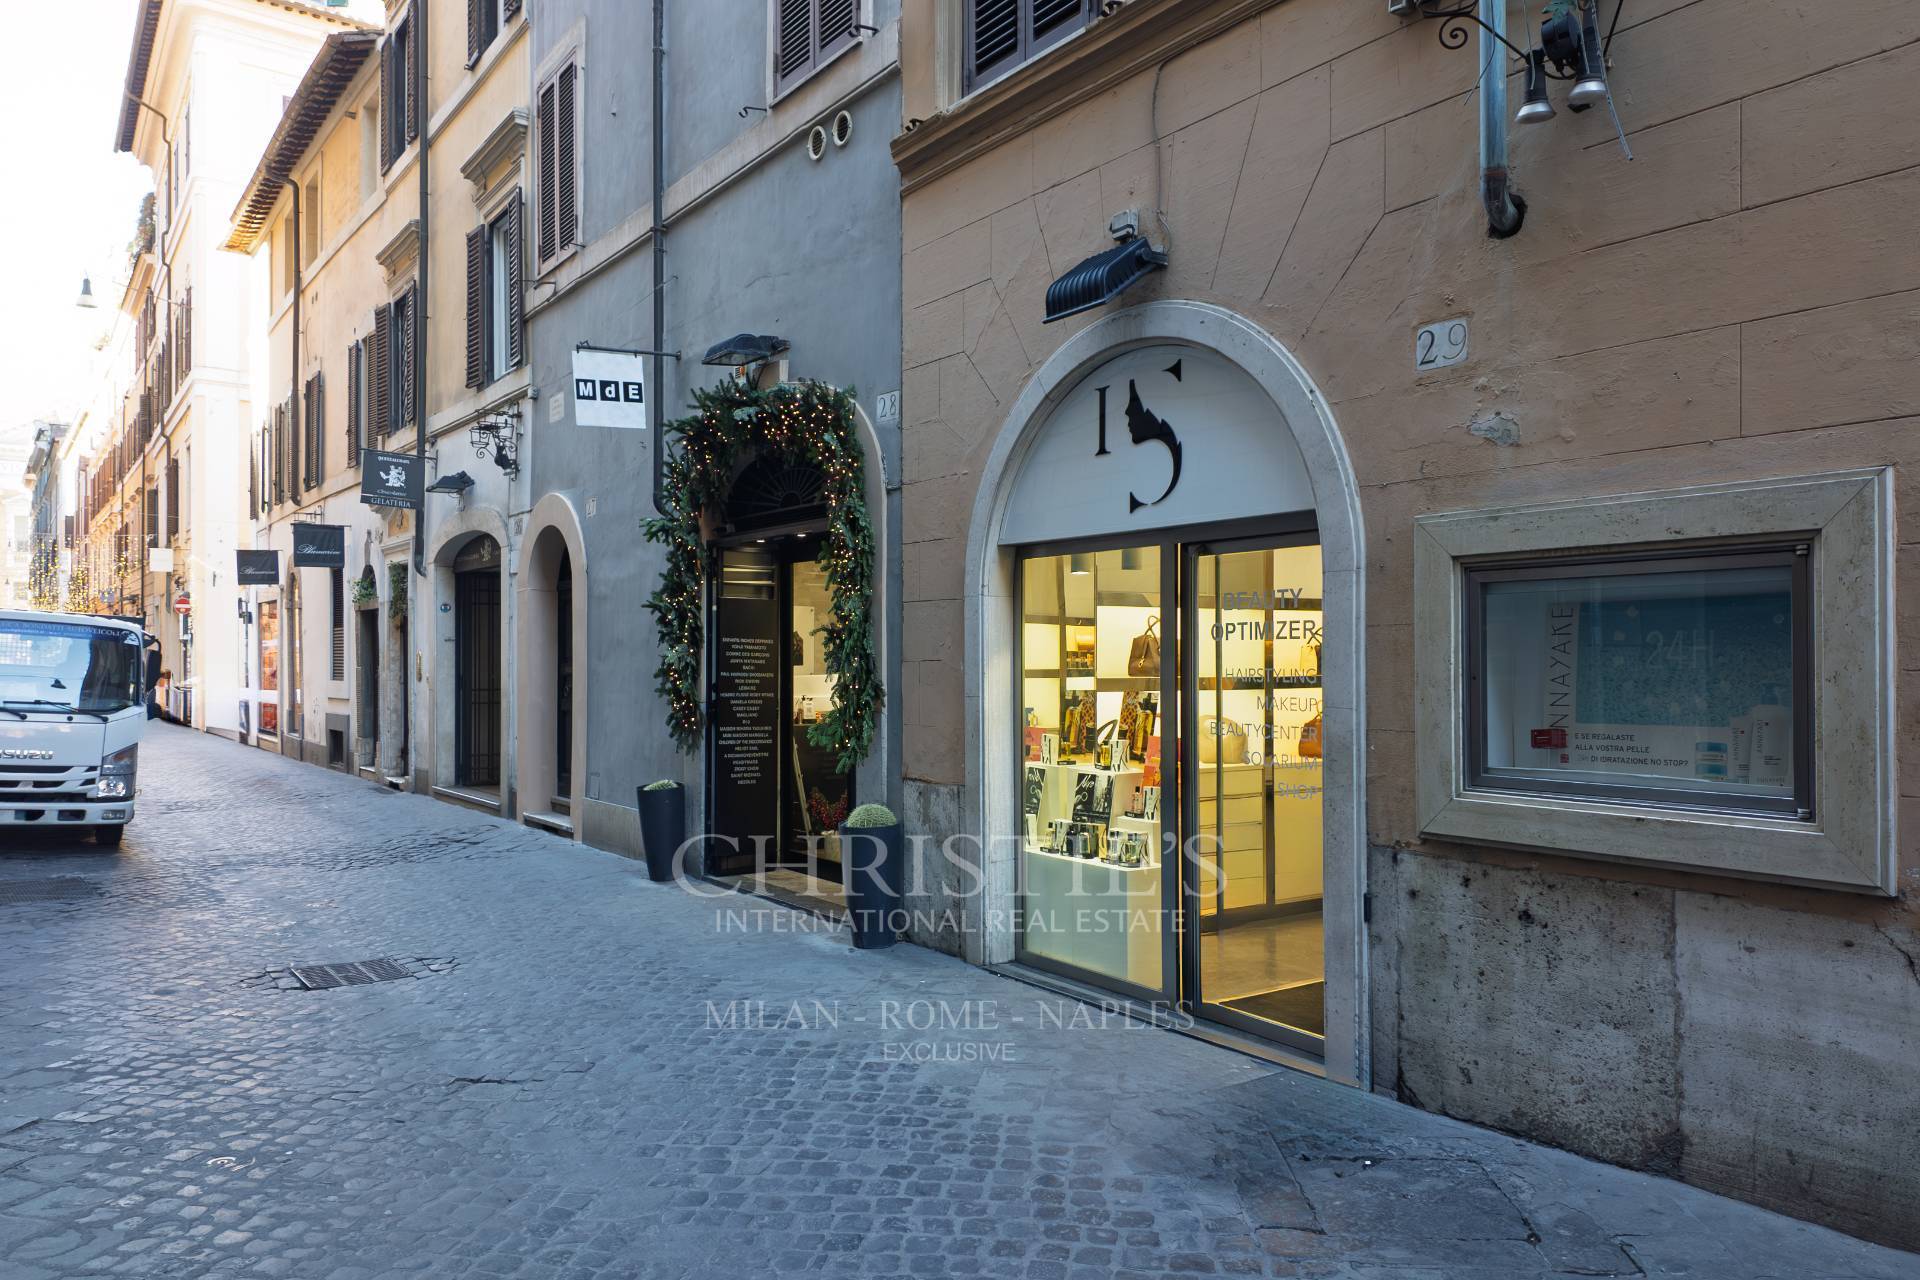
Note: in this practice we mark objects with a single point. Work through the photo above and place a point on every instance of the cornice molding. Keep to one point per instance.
(508, 139)
(1135, 38)
(398, 253)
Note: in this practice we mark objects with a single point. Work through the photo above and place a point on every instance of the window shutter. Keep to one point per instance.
(516, 299)
(317, 439)
(793, 44)
(992, 37)
(410, 67)
(290, 453)
(253, 480)
(543, 178)
(476, 39)
(566, 158)
(509, 7)
(837, 19)
(338, 667)
(409, 327)
(356, 400)
(279, 451)
(477, 307)
(380, 397)
(389, 117)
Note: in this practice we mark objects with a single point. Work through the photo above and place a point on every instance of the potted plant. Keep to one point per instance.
(663, 825)
(874, 872)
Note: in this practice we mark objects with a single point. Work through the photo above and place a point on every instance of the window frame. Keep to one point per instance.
(1479, 776)
(1026, 48)
(819, 57)
(1848, 842)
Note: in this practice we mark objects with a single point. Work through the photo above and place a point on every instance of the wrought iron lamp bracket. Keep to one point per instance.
(496, 437)
(1453, 17)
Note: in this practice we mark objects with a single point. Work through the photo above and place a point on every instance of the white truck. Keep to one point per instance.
(73, 691)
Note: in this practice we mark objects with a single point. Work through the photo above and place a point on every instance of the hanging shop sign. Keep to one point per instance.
(160, 560)
(390, 479)
(609, 389)
(258, 568)
(320, 546)
(1156, 438)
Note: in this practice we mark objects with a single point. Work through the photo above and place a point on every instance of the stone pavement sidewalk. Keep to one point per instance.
(576, 1073)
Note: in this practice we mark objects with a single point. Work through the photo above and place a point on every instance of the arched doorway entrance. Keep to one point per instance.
(551, 693)
(478, 669)
(775, 797)
(1166, 778)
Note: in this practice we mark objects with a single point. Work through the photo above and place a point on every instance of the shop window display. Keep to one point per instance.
(1092, 855)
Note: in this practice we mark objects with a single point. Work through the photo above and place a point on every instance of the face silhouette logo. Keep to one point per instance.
(1144, 426)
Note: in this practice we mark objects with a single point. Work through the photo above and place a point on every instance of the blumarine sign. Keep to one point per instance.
(390, 479)
(320, 546)
(257, 568)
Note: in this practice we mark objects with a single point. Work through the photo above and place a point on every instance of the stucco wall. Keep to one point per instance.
(762, 240)
(1741, 300)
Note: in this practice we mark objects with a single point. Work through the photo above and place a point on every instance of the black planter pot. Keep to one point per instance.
(663, 825)
(875, 875)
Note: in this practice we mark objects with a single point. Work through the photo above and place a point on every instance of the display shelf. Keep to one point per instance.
(1038, 852)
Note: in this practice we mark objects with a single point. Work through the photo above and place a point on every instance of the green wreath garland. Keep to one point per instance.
(798, 423)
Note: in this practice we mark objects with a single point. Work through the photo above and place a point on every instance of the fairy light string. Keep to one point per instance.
(802, 423)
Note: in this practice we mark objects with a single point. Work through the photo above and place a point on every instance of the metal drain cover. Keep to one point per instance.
(52, 889)
(351, 973)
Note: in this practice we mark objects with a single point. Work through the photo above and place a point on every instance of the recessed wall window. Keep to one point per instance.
(1675, 680)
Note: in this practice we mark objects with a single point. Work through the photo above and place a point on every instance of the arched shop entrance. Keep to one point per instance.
(1168, 771)
(776, 797)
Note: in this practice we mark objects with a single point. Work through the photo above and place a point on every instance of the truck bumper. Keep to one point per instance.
(67, 813)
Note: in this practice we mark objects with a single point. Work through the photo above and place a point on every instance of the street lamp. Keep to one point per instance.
(86, 299)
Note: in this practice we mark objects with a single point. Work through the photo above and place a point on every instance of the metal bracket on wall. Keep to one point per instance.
(496, 436)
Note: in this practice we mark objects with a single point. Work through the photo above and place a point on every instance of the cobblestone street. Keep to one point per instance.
(545, 1090)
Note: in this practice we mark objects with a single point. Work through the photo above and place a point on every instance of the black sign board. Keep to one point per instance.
(390, 479)
(258, 568)
(320, 546)
(748, 645)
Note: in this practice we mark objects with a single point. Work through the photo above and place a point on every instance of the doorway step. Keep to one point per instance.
(558, 823)
(485, 799)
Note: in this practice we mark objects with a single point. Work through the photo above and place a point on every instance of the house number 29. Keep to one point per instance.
(1436, 346)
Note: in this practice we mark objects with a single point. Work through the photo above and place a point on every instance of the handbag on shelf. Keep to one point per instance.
(1310, 738)
(1222, 741)
(1143, 659)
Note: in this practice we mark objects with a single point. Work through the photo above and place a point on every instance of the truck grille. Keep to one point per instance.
(39, 784)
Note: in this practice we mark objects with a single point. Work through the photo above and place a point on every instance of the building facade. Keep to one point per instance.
(205, 80)
(765, 255)
(384, 644)
(1422, 600)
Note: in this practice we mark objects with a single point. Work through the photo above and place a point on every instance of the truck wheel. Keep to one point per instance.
(110, 834)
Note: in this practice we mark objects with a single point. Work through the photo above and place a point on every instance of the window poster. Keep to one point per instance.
(1660, 682)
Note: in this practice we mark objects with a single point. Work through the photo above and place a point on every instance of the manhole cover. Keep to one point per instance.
(54, 889)
(352, 973)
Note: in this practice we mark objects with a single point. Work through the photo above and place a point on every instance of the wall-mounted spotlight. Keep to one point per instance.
(1571, 42)
(1538, 108)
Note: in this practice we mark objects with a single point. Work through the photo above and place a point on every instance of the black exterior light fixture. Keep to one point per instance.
(1107, 275)
(744, 351)
(456, 484)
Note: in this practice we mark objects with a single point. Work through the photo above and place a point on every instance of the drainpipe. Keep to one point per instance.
(659, 236)
(419, 317)
(1505, 210)
(299, 283)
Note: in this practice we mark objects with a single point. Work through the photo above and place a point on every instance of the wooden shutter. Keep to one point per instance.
(515, 231)
(380, 390)
(338, 666)
(509, 7)
(477, 307)
(389, 100)
(278, 449)
(793, 41)
(317, 430)
(834, 27)
(1001, 34)
(410, 65)
(544, 175)
(253, 479)
(476, 28)
(566, 159)
(356, 396)
(409, 327)
(290, 454)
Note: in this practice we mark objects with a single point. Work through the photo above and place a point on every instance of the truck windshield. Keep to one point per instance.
(68, 665)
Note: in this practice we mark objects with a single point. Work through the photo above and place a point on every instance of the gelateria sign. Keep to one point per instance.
(1156, 438)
